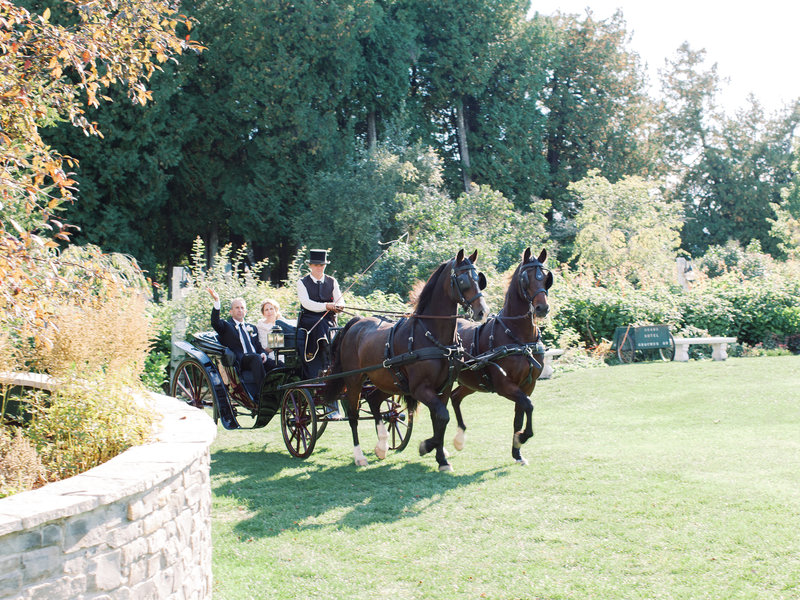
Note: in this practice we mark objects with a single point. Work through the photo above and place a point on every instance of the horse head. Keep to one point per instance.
(467, 285)
(534, 280)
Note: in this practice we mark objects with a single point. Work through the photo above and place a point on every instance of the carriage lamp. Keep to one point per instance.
(275, 339)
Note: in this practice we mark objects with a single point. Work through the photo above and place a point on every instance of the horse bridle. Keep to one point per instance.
(461, 279)
(540, 274)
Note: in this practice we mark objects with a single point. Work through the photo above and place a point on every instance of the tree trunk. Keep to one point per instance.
(372, 133)
(463, 149)
(213, 244)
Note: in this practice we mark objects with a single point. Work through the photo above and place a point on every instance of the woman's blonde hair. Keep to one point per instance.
(275, 304)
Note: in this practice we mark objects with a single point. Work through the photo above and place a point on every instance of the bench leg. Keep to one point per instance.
(681, 352)
(719, 351)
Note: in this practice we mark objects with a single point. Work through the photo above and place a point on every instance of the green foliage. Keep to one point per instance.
(86, 421)
(728, 171)
(596, 106)
(786, 224)
(755, 311)
(625, 230)
(749, 263)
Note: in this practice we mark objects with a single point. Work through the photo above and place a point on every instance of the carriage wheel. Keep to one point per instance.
(192, 385)
(399, 422)
(321, 422)
(298, 422)
(626, 351)
(668, 354)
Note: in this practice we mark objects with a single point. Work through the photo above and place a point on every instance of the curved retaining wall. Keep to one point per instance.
(137, 526)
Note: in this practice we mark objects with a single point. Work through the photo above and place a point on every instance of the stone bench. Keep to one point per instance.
(547, 367)
(719, 347)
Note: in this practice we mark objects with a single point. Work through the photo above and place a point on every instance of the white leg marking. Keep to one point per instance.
(358, 456)
(383, 441)
(522, 461)
(458, 441)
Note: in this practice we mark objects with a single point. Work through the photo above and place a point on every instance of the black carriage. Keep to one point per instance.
(209, 378)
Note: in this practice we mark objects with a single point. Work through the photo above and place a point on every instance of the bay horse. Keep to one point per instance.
(513, 335)
(415, 356)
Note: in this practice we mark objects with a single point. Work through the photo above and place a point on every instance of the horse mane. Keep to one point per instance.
(424, 297)
(508, 280)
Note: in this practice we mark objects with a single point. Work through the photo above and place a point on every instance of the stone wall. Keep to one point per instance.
(138, 526)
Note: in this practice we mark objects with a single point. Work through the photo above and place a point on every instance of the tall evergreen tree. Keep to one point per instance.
(727, 169)
(597, 109)
(461, 44)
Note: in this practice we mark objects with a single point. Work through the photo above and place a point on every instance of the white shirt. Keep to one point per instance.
(309, 304)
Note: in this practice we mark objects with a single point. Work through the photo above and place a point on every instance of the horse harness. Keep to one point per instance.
(461, 280)
(453, 354)
(526, 349)
(540, 275)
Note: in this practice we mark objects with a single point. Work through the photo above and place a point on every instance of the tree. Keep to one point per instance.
(47, 72)
(124, 178)
(786, 224)
(460, 47)
(626, 230)
(598, 114)
(727, 170)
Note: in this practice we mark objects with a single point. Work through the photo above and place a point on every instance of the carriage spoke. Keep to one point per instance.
(298, 422)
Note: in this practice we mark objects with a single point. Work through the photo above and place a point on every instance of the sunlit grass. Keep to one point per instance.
(661, 480)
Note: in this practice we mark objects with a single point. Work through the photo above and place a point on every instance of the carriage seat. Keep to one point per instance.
(208, 342)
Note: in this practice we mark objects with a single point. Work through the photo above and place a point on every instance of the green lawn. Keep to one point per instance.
(659, 480)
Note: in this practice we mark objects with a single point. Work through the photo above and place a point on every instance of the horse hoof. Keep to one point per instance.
(423, 448)
(445, 468)
(458, 441)
(517, 442)
(362, 463)
(522, 462)
(380, 452)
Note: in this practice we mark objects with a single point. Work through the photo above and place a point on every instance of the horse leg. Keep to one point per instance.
(353, 393)
(457, 396)
(521, 411)
(440, 417)
(374, 399)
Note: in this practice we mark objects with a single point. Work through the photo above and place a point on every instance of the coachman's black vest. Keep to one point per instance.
(318, 292)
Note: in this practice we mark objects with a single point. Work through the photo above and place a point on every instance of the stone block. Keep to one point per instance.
(10, 585)
(134, 551)
(124, 535)
(41, 563)
(107, 570)
(52, 535)
(9, 564)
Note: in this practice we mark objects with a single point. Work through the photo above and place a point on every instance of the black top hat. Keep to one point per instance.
(318, 257)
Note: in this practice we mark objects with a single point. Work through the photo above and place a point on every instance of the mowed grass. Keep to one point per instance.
(658, 480)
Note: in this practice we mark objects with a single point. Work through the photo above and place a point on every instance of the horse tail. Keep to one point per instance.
(411, 403)
(333, 387)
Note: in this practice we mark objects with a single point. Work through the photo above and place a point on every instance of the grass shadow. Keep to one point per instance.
(280, 493)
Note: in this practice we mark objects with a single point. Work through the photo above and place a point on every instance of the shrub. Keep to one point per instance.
(20, 466)
(758, 310)
(85, 422)
(95, 346)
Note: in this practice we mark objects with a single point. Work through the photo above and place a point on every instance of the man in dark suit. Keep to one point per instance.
(242, 339)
